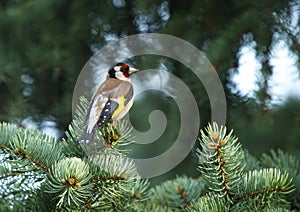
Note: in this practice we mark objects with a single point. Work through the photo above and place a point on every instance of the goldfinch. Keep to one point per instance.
(111, 101)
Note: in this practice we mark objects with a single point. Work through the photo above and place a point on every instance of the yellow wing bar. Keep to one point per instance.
(121, 105)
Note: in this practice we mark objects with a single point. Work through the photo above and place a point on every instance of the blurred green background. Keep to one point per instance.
(44, 45)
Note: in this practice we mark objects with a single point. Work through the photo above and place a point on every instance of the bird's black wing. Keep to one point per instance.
(107, 111)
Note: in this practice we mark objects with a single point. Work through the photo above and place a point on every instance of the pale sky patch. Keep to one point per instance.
(285, 80)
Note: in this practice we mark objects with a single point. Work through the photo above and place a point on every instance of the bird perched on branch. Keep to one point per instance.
(111, 101)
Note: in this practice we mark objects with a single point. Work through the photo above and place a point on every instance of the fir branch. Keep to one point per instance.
(115, 181)
(221, 160)
(113, 166)
(263, 187)
(4, 148)
(31, 153)
(32, 145)
(138, 190)
(152, 206)
(12, 174)
(210, 203)
(40, 200)
(222, 163)
(7, 132)
(117, 135)
(178, 193)
(110, 178)
(135, 192)
(17, 188)
(276, 209)
(283, 161)
(70, 182)
(74, 131)
(251, 162)
(24, 154)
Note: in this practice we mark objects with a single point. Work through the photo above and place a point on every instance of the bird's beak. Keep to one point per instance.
(133, 70)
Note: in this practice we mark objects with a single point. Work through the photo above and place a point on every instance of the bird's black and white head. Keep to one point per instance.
(121, 71)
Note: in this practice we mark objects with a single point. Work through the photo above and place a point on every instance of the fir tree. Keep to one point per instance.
(40, 174)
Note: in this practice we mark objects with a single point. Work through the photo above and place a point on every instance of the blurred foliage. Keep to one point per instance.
(44, 45)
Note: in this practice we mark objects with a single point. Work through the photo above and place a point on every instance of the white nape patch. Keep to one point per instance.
(117, 68)
(120, 76)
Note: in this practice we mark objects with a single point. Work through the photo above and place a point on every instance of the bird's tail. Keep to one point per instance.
(87, 137)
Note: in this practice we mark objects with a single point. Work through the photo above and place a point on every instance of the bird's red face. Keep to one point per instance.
(121, 71)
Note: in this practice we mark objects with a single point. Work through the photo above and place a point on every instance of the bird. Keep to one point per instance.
(111, 101)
